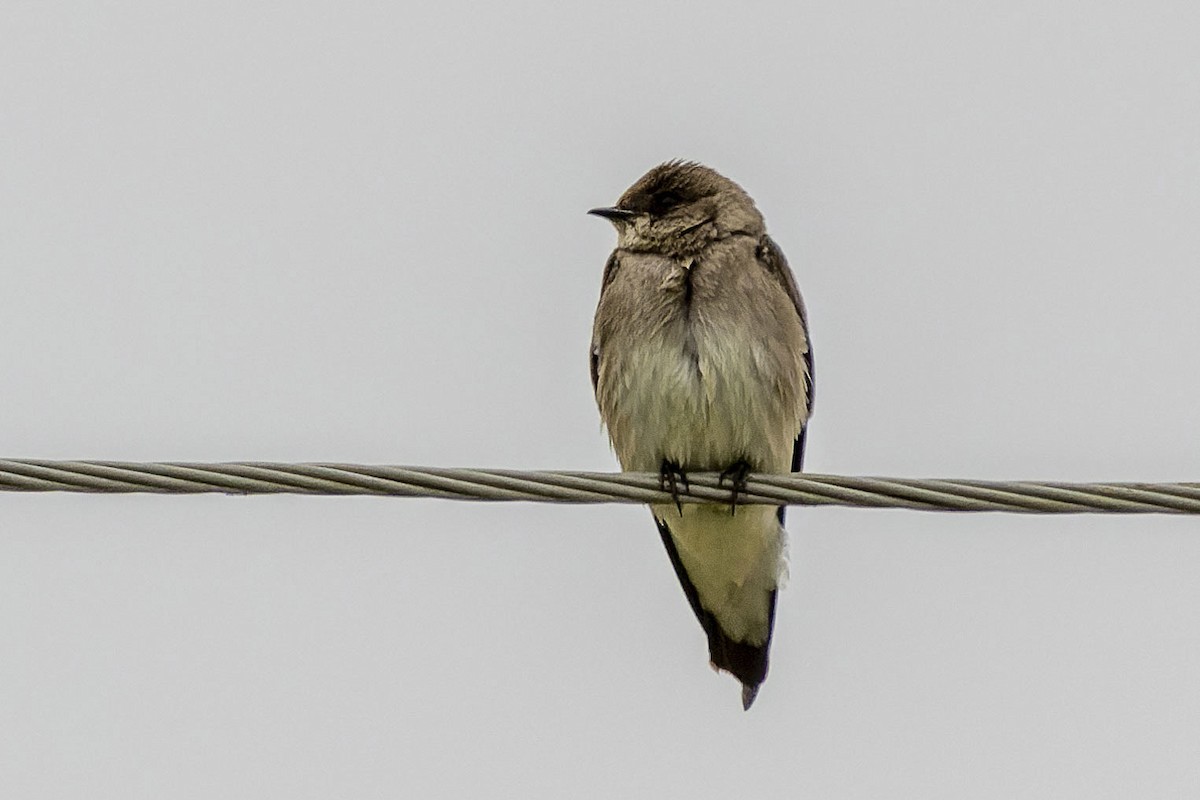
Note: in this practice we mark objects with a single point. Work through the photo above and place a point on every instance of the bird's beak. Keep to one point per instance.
(614, 214)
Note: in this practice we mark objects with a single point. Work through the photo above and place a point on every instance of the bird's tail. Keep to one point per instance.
(745, 661)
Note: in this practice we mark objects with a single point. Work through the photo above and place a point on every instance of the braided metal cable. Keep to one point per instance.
(113, 477)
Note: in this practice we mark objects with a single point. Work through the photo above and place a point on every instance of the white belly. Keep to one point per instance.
(703, 411)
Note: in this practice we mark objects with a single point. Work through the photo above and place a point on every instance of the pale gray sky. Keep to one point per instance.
(356, 232)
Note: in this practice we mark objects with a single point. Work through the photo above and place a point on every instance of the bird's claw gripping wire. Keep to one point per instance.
(736, 473)
(670, 476)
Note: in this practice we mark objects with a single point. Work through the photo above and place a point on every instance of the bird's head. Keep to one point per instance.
(679, 208)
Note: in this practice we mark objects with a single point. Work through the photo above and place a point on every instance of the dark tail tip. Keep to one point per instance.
(746, 662)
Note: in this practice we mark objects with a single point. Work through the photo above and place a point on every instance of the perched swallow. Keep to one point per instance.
(700, 360)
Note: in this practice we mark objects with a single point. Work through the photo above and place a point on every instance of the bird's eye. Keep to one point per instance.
(662, 202)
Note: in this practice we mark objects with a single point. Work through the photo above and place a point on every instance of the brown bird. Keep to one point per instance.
(701, 361)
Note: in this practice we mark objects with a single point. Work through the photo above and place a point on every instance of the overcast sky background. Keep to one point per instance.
(356, 232)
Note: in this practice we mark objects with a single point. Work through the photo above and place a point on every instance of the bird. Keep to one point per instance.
(700, 361)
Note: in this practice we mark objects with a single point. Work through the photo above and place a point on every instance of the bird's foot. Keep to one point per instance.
(736, 473)
(670, 477)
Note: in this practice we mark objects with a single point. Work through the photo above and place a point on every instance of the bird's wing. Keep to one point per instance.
(610, 272)
(773, 261)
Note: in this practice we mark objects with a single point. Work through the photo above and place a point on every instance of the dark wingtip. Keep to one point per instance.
(749, 692)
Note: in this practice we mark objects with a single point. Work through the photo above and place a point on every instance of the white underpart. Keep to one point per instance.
(734, 561)
(707, 419)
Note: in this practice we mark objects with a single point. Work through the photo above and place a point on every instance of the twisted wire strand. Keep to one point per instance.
(1027, 497)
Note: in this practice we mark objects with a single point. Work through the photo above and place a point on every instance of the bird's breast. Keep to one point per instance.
(698, 389)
